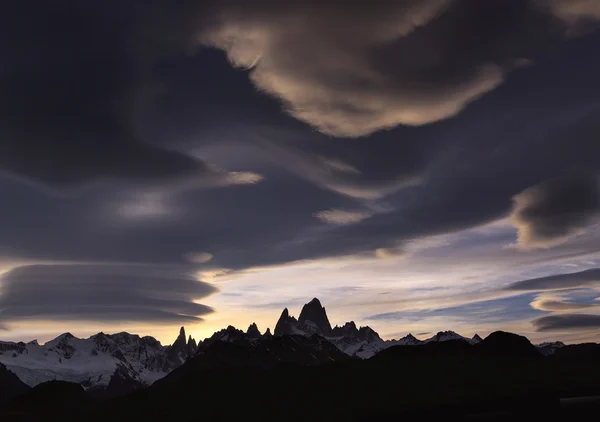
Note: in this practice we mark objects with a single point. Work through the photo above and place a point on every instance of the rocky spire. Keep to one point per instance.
(178, 351)
(286, 324)
(314, 317)
(253, 331)
(191, 347)
(180, 341)
(268, 333)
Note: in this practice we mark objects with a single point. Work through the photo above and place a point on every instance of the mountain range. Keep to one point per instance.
(108, 365)
(104, 364)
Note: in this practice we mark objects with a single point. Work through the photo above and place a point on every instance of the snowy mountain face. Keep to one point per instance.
(476, 339)
(99, 362)
(408, 340)
(549, 348)
(451, 335)
(361, 342)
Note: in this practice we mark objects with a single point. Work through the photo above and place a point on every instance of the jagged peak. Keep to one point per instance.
(182, 332)
(34, 341)
(315, 301)
(285, 313)
(253, 331)
(349, 324)
(63, 337)
(268, 332)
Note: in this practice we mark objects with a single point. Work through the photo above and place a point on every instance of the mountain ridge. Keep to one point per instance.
(115, 364)
(102, 363)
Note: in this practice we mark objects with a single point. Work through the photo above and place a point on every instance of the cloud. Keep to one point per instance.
(559, 281)
(199, 257)
(567, 322)
(101, 293)
(434, 179)
(558, 304)
(342, 217)
(352, 71)
(376, 179)
(71, 104)
(552, 212)
(389, 253)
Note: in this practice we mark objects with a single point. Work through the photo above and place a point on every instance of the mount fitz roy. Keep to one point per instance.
(108, 365)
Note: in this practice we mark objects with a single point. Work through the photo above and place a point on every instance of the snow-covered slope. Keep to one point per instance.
(447, 336)
(95, 361)
(408, 340)
(549, 348)
(476, 339)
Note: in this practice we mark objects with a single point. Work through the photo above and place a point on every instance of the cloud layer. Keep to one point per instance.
(559, 281)
(99, 293)
(567, 322)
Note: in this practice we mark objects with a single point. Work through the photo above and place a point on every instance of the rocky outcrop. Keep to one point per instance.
(227, 335)
(347, 330)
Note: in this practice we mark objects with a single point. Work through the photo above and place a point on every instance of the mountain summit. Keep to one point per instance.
(313, 318)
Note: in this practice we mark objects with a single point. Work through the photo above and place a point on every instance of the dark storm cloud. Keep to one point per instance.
(351, 70)
(74, 77)
(101, 293)
(567, 322)
(559, 281)
(412, 181)
(553, 211)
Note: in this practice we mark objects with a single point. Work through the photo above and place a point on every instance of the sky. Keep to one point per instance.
(419, 165)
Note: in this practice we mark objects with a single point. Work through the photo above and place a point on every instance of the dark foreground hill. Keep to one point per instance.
(297, 378)
(10, 385)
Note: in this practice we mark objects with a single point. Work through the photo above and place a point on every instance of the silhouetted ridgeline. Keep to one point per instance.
(238, 375)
